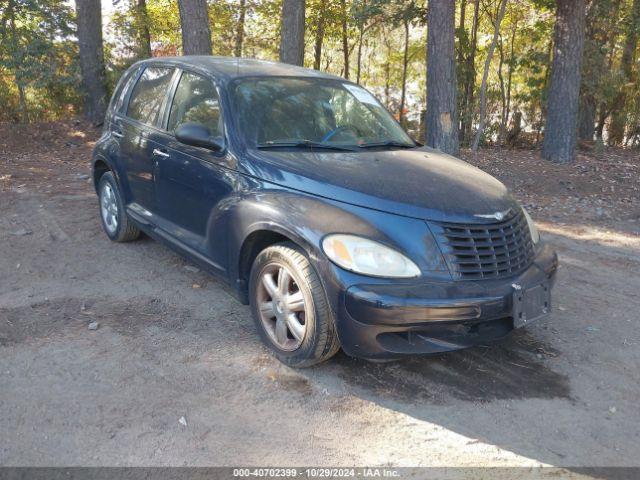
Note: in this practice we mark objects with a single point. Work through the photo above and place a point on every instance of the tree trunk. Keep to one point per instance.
(593, 62)
(405, 62)
(242, 7)
(196, 34)
(603, 113)
(22, 101)
(485, 75)
(543, 106)
(586, 117)
(503, 95)
(512, 61)
(618, 112)
(22, 98)
(89, 18)
(345, 37)
(319, 38)
(461, 62)
(387, 82)
(560, 133)
(516, 128)
(292, 32)
(144, 36)
(387, 71)
(368, 60)
(359, 56)
(463, 12)
(604, 108)
(470, 78)
(441, 119)
(512, 56)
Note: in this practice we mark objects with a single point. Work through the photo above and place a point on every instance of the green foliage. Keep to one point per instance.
(41, 58)
(39, 73)
(164, 23)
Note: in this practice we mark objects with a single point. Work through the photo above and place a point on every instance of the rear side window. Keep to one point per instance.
(148, 94)
(196, 100)
(123, 88)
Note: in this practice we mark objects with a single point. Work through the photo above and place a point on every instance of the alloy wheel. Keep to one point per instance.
(282, 306)
(109, 208)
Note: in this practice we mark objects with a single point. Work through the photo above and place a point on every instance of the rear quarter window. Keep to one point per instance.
(123, 87)
(148, 94)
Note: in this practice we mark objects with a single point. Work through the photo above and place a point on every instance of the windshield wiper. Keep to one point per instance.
(303, 143)
(387, 143)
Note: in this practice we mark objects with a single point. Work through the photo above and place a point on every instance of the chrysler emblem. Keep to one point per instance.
(497, 215)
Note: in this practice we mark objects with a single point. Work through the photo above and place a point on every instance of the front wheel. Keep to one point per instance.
(290, 307)
(115, 222)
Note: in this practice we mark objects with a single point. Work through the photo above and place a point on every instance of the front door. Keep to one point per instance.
(191, 181)
(138, 133)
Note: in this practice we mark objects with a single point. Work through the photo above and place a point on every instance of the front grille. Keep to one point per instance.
(493, 250)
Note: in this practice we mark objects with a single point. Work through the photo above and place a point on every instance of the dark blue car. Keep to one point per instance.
(302, 192)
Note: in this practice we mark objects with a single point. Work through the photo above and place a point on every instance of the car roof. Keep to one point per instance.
(229, 68)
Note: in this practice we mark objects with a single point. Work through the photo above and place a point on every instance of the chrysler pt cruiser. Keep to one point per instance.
(304, 194)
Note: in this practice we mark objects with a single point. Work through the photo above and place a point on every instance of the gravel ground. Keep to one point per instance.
(174, 373)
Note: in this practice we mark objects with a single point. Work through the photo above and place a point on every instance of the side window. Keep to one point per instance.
(148, 94)
(196, 100)
(124, 87)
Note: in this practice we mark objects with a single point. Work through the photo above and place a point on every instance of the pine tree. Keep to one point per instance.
(441, 118)
(89, 15)
(292, 32)
(560, 134)
(196, 34)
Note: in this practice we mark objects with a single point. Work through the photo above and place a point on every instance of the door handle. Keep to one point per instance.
(160, 153)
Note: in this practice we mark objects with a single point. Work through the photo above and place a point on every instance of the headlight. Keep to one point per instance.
(535, 235)
(367, 257)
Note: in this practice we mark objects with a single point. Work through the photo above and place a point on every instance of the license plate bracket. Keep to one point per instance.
(531, 303)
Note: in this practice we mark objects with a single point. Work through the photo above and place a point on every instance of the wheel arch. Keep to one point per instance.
(100, 167)
(263, 218)
(258, 238)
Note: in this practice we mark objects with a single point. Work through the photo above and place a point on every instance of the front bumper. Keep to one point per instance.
(392, 320)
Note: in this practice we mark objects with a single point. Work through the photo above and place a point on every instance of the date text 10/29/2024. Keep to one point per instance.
(364, 472)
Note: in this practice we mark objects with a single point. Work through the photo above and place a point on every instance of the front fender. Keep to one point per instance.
(303, 218)
(307, 219)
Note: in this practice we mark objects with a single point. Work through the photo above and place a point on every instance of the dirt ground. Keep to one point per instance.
(173, 344)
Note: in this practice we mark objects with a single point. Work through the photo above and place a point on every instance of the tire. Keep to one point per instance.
(319, 342)
(115, 221)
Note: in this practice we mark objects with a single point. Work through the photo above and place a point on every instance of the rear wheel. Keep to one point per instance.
(115, 222)
(290, 307)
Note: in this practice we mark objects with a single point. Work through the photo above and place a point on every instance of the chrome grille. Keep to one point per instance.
(493, 250)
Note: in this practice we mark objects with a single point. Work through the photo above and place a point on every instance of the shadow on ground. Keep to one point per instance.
(512, 369)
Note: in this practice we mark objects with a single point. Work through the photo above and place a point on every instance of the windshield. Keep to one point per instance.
(310, 112)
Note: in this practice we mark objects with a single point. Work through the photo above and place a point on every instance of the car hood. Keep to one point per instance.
(420, 183)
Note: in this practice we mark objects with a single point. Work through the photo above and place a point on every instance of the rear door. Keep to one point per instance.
(191, 182)
(138, 131)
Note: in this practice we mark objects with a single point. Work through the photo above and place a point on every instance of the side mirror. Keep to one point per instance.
(197, 135)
